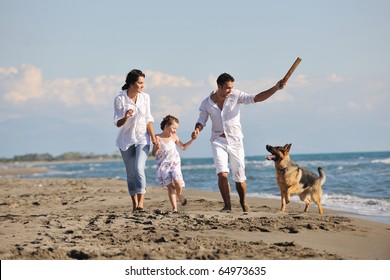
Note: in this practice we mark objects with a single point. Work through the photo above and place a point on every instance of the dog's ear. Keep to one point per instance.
(288, 147)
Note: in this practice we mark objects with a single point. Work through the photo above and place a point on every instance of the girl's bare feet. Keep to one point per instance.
(182, 200)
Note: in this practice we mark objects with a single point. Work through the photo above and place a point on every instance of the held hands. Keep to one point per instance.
(195, 133)
(156, 146)
(156, 143)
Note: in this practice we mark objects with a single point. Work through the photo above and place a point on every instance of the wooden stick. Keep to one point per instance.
(292, 69)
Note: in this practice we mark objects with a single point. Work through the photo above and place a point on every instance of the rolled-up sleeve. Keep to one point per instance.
(148, 115)
(118, 109)
(203, 114)
(245, 98)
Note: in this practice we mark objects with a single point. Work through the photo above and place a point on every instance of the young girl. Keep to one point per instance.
(168, 160)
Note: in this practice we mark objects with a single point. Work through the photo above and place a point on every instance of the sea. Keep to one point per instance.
(358, 183)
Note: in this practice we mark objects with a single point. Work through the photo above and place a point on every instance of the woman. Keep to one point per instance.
(132, 115)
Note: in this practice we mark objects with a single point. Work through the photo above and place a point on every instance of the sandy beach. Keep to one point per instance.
(62, 219)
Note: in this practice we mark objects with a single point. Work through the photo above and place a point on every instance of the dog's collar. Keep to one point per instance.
(288, 169)
(282, 169)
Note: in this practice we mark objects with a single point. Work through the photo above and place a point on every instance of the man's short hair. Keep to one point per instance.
(223, 78)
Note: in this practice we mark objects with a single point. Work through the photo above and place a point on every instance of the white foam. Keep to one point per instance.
(385, 161)
(364, 206)
(349, 203)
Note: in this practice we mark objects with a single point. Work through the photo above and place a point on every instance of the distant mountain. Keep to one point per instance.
(48, 157)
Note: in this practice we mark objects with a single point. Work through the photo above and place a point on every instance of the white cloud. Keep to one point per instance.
(353, 106)
(21, 85)
(157, 79)
(212, 80)
(171, 94)
(8, 71)
(334, 78)
(302, 81)
(82, 91)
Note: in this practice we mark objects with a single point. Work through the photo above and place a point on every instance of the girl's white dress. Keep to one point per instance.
(168, 164)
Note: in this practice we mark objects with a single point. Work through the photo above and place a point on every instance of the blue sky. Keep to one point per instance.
(62, 62)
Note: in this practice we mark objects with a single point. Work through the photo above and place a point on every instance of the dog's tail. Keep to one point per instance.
(322, 175)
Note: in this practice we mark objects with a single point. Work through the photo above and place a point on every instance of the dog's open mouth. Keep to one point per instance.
(270, 157)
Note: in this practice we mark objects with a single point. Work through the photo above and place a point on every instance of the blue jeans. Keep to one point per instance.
(135, 160)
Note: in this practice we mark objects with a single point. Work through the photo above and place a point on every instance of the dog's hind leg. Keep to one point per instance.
(304, 197)
(317, 200)
(320, 210)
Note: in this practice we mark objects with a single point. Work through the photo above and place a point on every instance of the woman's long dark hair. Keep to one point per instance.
(132, 77)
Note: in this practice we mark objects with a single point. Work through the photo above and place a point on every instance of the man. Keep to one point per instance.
(222, 107)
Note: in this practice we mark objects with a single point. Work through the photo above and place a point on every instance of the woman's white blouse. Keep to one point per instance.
(134, 131)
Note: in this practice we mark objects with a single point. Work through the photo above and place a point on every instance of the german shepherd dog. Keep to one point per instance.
(293, 179)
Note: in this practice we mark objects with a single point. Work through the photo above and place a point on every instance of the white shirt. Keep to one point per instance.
(226, 120)
(134, 131)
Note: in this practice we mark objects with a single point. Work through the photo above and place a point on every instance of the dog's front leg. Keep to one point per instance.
(291, 190)
(283, 195)
(288, 197)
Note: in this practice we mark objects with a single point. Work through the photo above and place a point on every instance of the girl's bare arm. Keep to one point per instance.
(184, 146)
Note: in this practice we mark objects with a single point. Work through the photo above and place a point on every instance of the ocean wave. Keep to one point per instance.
(348, 203)
(264, 195)
(326, 164)
(259, 163)
(360, 205)
(65, 173)
(197, 166)
(385, 161)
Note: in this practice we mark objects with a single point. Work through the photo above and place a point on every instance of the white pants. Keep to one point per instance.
(223, 154)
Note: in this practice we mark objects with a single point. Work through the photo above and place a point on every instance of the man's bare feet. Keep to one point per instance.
(226, 209)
